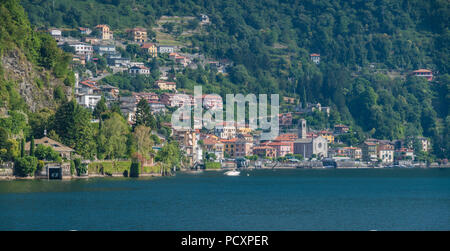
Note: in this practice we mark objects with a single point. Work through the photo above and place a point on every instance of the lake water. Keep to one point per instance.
(370, 199)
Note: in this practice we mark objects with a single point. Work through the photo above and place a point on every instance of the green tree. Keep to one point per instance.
(113, 137)
(22, 148)
(143, 115)
(135, 169)
(25, 166)
(32, 146)
(143, 140)
(170, 155)
(100, 108)
(46, 153)
(73, 124)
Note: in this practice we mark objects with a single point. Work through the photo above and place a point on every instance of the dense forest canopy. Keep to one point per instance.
(269, 42)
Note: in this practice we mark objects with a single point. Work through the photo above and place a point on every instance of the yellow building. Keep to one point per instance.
(327, 135)
(151, 49)
(244, 130)
(165, 85)
(139, 35)
(106, 31)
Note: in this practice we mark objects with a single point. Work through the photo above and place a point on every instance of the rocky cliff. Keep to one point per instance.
(34, 84)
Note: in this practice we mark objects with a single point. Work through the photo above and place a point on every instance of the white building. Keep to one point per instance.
(386, 153)
(308, 147)
(165, 49)
(55, 33)
(425, 143)
(83, 49)
(315, 58)
(88, 101)
(225, 131)
(204, 19)
(141, 70)
(105, 49)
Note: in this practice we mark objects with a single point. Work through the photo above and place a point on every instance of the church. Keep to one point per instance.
(308, 147)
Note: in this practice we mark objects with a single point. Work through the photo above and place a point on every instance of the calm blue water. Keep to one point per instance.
(389, 199)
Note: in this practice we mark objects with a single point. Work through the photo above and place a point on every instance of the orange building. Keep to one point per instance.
(423, 73)
(265, 151)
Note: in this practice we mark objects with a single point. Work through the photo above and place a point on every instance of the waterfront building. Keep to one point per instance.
(188, 142)
(425, 143)
(64, 151)
(237, 147)
(369, 151)
(214, 146)
(309, 147)
(265, 151)
(385, 153)
(282, 147)
(404, 154)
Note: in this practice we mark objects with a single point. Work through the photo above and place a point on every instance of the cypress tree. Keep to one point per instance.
(22, 148)
(134, 169)
(32, 146)
(304, 98)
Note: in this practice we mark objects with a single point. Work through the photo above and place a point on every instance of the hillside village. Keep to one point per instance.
(98, 54)
(230, 142)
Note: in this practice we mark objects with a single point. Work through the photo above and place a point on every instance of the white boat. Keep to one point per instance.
(232, 173)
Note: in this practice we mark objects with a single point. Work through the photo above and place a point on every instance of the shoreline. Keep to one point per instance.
(146, 175)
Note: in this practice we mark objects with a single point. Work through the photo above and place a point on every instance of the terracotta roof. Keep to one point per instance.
(102, 26)
(229, 140)
(46, 141)
(210, 141)
(286, 137)
(422, 70)
(315, 55)
(263, 147)
(140, 67)
(148, 45)
(280, 143)
(89, 83)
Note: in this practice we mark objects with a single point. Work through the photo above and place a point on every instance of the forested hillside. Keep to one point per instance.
(269, 41)
(34, 78)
